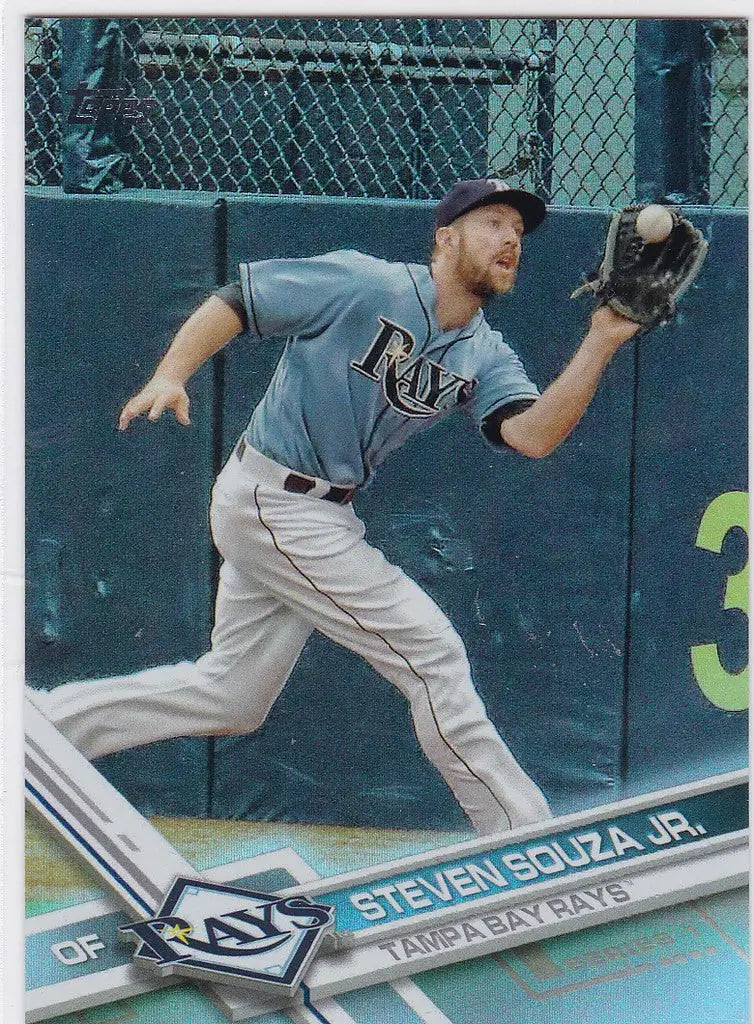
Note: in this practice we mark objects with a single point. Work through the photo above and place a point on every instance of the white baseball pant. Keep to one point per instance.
(294, 563)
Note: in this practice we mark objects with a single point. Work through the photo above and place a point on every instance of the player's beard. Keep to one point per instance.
(477, 275)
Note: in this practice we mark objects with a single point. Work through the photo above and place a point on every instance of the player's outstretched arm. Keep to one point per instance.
(206, 331)
(544, 425)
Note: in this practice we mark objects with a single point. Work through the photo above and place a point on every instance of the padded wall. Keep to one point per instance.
(691, 472)
(534, 561)
(118, 562)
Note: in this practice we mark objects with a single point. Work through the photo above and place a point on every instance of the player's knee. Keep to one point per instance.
(228, 717)
(443, 653)
(245, 720)
(442, 674)
(216, 702)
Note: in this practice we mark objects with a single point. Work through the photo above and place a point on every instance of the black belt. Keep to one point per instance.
(296, 483)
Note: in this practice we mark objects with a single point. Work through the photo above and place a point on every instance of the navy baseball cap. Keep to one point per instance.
(468, 195)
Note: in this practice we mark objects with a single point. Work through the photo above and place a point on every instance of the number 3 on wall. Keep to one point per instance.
(726, 690)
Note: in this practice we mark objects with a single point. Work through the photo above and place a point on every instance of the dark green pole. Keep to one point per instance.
(672, 82)
(546, 109)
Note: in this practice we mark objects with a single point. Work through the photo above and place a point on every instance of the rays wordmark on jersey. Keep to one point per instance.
(414, 388)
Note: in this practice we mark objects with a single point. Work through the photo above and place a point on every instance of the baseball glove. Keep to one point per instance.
(644, 280)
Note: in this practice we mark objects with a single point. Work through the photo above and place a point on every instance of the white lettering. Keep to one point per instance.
(581, 858)
(461, 882)
(661, 838)
(520, 866)
(90, 944)
(488, 873)
(69, 953)
(594, 842)
(622, 841)
(413, 895)
(439, 889)
(677, 824)
(545, 860)
(387, 892)
(367, 906)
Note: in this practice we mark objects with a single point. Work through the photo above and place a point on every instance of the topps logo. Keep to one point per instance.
(222, 932)
(89, 104)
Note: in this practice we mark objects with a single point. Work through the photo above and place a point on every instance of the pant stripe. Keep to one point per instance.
(397, 653)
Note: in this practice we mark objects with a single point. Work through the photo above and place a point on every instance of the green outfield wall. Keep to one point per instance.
(599, 591)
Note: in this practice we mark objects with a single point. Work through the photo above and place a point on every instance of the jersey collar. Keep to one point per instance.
(427, 296)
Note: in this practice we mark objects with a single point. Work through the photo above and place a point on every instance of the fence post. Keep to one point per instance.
(672, 134)
(546, 109)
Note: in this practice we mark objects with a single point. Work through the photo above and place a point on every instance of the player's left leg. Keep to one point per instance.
(428, 663)
(314, 558)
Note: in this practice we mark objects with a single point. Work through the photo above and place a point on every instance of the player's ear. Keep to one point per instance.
(444, 238)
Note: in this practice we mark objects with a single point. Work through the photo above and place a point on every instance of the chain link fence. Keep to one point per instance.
(397, 108)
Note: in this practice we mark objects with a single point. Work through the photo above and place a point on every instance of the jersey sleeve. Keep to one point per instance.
(296, 297)
(502, 381)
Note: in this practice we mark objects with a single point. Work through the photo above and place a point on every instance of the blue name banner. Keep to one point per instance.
(562, 854)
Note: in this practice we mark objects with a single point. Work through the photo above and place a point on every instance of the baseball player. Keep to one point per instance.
(374, 352)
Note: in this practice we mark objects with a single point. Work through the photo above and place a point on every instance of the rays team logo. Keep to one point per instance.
(223, 932)
(418, 388)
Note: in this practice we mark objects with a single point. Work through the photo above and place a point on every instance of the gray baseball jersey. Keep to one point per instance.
(366, 364)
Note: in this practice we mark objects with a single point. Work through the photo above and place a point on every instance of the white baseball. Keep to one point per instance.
(654, 223)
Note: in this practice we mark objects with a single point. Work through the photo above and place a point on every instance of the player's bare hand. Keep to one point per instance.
(159, 394)
(614, 328)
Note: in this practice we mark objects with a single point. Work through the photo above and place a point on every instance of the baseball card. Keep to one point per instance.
(385, 584)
